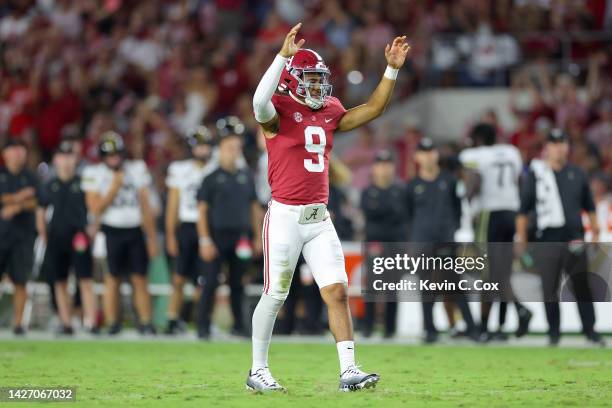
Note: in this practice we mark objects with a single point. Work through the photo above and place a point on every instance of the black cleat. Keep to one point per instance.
(485, 336)
(203, 334)
(19, 331)
(65, 331)
(525, 316)
(175, 327)
(473, 335)
(554, 339)
(430, 338)
(147, 329)
(114, 329)
(499, 336)
(596, 339)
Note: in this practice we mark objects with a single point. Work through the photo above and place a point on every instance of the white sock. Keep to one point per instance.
(263, 324)
(346, 354)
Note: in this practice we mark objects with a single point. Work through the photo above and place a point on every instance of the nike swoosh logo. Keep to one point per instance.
(328, 120)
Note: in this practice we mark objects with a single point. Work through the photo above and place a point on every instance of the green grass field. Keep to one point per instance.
(173, 374)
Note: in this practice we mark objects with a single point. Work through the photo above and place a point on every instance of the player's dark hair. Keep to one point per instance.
(483, 134)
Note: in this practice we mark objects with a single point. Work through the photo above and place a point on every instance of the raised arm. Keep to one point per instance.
(375, 106)
(263, 108)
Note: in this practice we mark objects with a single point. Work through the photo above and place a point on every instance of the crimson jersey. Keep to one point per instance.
(298, 156)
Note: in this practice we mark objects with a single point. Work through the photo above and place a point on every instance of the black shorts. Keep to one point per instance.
(188, 262)
(497, 230)
(60, 255)
(17, 260)
(126, 251)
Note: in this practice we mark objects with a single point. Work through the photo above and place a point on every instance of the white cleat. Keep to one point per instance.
(353, 379)
(262, 381)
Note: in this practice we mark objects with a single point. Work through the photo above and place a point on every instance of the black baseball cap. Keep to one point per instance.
(13, 142)
(384, 156)
(426, 144)
(557, 136)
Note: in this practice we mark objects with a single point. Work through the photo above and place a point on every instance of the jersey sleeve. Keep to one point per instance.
(89, 180)
(468, 159)
(142, 175)
(518, 160)
(173, 177)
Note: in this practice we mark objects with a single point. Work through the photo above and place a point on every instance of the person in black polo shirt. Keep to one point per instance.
(558, 192)
(61, 220)
(382, 203)
(434, 214)
(229, 217)
(17, 231)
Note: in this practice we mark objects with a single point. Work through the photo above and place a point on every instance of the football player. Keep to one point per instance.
(299, 123)
(492, 172)
(183, 181)
(117, 195)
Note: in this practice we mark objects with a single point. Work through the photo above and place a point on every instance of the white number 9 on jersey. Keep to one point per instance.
(312, 147)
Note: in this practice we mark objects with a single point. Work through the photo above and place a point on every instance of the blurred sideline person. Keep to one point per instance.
(385, 217)
(229, 225)
(184, 179)
(492, 172)
(61, 220)
(600, 186)
(558, 192)
(434, 213)
(18, 187)
(117, 194)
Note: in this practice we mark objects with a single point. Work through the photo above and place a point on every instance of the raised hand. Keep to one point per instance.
(289, 46)
(396, 52)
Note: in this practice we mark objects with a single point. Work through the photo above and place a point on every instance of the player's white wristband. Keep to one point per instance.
(391, 73)
(204, 241)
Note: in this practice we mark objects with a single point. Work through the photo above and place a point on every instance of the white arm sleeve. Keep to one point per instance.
(262, 100)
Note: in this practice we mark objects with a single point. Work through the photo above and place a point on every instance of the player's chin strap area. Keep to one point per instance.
(312, 103)
(325, 90)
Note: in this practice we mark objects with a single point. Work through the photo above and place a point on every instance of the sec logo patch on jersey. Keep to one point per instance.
(297, 116)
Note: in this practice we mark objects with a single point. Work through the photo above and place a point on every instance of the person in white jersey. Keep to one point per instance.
(493, 171)
(183, 181)
(117, 196)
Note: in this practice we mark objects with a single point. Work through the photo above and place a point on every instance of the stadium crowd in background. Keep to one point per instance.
(154, 71)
